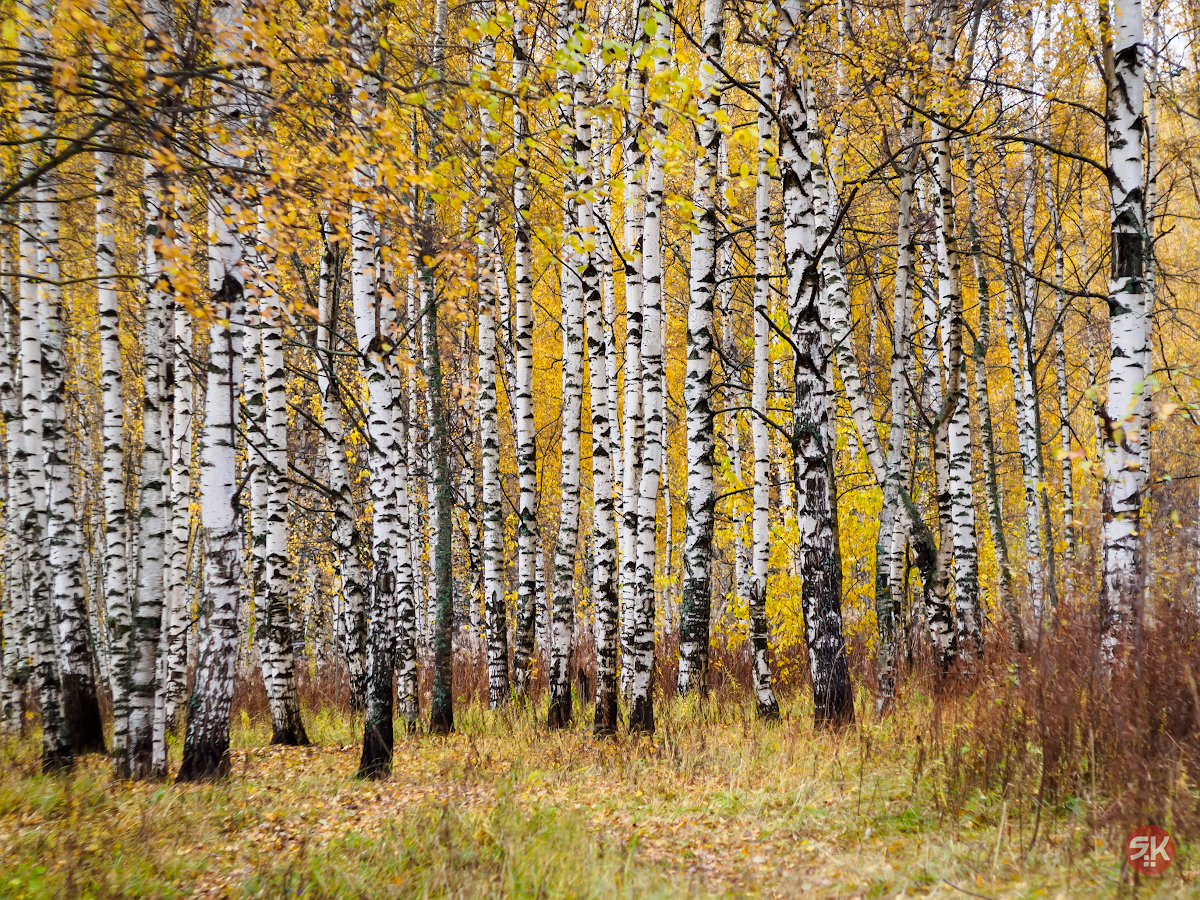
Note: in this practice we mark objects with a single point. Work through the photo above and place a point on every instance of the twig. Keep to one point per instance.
(970, 893)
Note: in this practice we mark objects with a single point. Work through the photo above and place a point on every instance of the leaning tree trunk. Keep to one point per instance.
(1121, 587)
(813, 439)
(696, 610)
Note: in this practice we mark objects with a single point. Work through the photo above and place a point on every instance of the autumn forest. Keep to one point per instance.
(401, 395)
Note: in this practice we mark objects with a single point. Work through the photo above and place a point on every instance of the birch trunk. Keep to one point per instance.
(15, 621)
(346, 537)
(1060, 371)
(526, 449)
(633, 161)
(36, 115)
(180, 511)
(276, 648)
(575, 126)
(80, 704)
(983, 403)
(764, 693)
(1022, 396)
(641, 712)
(488, 264)
(701, 498)
(813, 442)
(206, 745)
(892, 538)
(372, 323)
(968, 638)
(1121, 587)
(138, 761)
(116, 592)
(596, 276)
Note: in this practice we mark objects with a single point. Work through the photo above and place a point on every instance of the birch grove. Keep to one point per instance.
(570, 356)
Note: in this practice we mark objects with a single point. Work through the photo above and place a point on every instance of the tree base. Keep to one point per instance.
(641, 716)
(376, 759)
(606, 714)
(57, 762)
(292, 736)
(767, 712)
(208, 761)
(81, 712)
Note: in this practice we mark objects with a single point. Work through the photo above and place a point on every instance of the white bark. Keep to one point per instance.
(206, 746)
(701, 497)
(1022, 400)
(346, 537)
(757, 606)
(526, 449)
(16, 619)
(1124, 415)
(275, 627)
(596, 276)
(489, 423)
(633, 161)
(641, 715)
(575, 126)
(138, 761)
(116, 592)
(813, 437)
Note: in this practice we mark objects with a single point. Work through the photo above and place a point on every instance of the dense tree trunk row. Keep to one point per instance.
(469, 285)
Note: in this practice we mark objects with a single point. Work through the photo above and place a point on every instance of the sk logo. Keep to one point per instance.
(1150, 850)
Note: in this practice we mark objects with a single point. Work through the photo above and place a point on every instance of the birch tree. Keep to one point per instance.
(575, 127)
(812, 441)
(767, 706)
(206, 744)
(701, 498)
(1124, 422)
(526, 449)
(641, 705)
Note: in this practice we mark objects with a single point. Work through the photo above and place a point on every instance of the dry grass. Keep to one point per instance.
(716, 804)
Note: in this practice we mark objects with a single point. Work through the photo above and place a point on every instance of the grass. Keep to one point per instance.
(716, 804)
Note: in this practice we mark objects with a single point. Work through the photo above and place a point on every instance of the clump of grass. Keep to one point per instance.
(1053, 725)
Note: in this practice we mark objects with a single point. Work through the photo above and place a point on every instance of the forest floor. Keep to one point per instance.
(716, 804)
